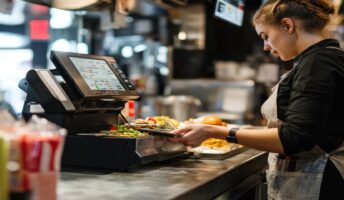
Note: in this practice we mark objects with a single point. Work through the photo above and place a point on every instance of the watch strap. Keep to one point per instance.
(231, 137)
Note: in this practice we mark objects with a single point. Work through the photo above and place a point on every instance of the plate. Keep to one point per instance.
(158, 132)
(135, 126)
(110, 135)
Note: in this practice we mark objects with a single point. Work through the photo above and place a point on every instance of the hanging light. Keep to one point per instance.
(127, 51)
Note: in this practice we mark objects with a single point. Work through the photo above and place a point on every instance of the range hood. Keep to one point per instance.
(97, 4)
(73, 4)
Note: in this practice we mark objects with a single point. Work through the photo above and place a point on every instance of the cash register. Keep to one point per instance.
(85, 94)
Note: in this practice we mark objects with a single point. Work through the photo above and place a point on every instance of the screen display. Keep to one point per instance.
(230, 10)
(97, 74)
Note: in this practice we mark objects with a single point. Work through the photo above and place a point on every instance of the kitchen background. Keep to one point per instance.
(179, 56)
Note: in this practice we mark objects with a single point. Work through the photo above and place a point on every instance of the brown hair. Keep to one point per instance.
(313, 14)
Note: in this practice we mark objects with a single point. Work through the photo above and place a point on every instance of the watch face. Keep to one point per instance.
(231, 139)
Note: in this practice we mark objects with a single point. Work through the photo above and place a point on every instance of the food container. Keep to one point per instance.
(30, 155)
(178, 107)
(229, 70)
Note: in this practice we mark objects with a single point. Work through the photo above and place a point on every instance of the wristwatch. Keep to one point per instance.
(231, 137)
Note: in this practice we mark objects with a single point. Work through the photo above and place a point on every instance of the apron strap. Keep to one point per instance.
(337, 158)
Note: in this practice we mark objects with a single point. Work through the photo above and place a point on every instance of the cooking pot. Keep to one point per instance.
(179, 107)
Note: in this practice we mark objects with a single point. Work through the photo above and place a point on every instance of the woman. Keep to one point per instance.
(305, 112)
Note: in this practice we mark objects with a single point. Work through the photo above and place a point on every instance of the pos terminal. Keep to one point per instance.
(85, 94)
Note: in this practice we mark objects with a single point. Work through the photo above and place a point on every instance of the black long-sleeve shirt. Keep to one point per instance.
(310, 100)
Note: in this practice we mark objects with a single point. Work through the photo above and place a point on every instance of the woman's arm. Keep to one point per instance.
(261, 139)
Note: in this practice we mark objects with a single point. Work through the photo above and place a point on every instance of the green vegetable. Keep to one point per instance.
(123, 131)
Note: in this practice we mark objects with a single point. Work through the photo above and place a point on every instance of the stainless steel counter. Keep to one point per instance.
(174, 179)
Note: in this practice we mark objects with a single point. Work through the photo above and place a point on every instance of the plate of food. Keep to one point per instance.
(156, 122)
(123, 132)
(215, 149)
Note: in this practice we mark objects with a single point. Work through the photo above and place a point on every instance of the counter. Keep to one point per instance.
(173, 179)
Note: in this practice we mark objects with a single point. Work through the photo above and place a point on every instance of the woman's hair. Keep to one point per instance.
(313, 14)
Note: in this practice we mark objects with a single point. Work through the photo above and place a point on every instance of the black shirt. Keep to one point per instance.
(310, 100)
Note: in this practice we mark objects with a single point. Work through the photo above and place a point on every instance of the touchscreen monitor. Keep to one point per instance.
(92, 76)
(97, 74)
(230, 10)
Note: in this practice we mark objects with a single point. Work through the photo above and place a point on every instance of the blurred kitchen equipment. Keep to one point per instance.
(268, 73)
(229, 70)
(169, 3)
(72, 5)
(122, 5)
(179, 107)
(6, 6)
(233, 101)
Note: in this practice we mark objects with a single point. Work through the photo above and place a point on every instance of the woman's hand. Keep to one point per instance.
(193, 135)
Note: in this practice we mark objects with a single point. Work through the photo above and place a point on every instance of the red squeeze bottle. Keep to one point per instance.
(131, 110)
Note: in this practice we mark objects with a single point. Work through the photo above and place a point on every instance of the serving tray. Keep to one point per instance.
(209, 155)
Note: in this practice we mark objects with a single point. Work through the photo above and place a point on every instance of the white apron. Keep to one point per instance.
(298, 177)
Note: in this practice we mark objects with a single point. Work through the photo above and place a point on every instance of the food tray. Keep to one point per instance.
(216, 156)
(158, 132)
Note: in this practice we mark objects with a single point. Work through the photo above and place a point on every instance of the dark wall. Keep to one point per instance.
(225, 41)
